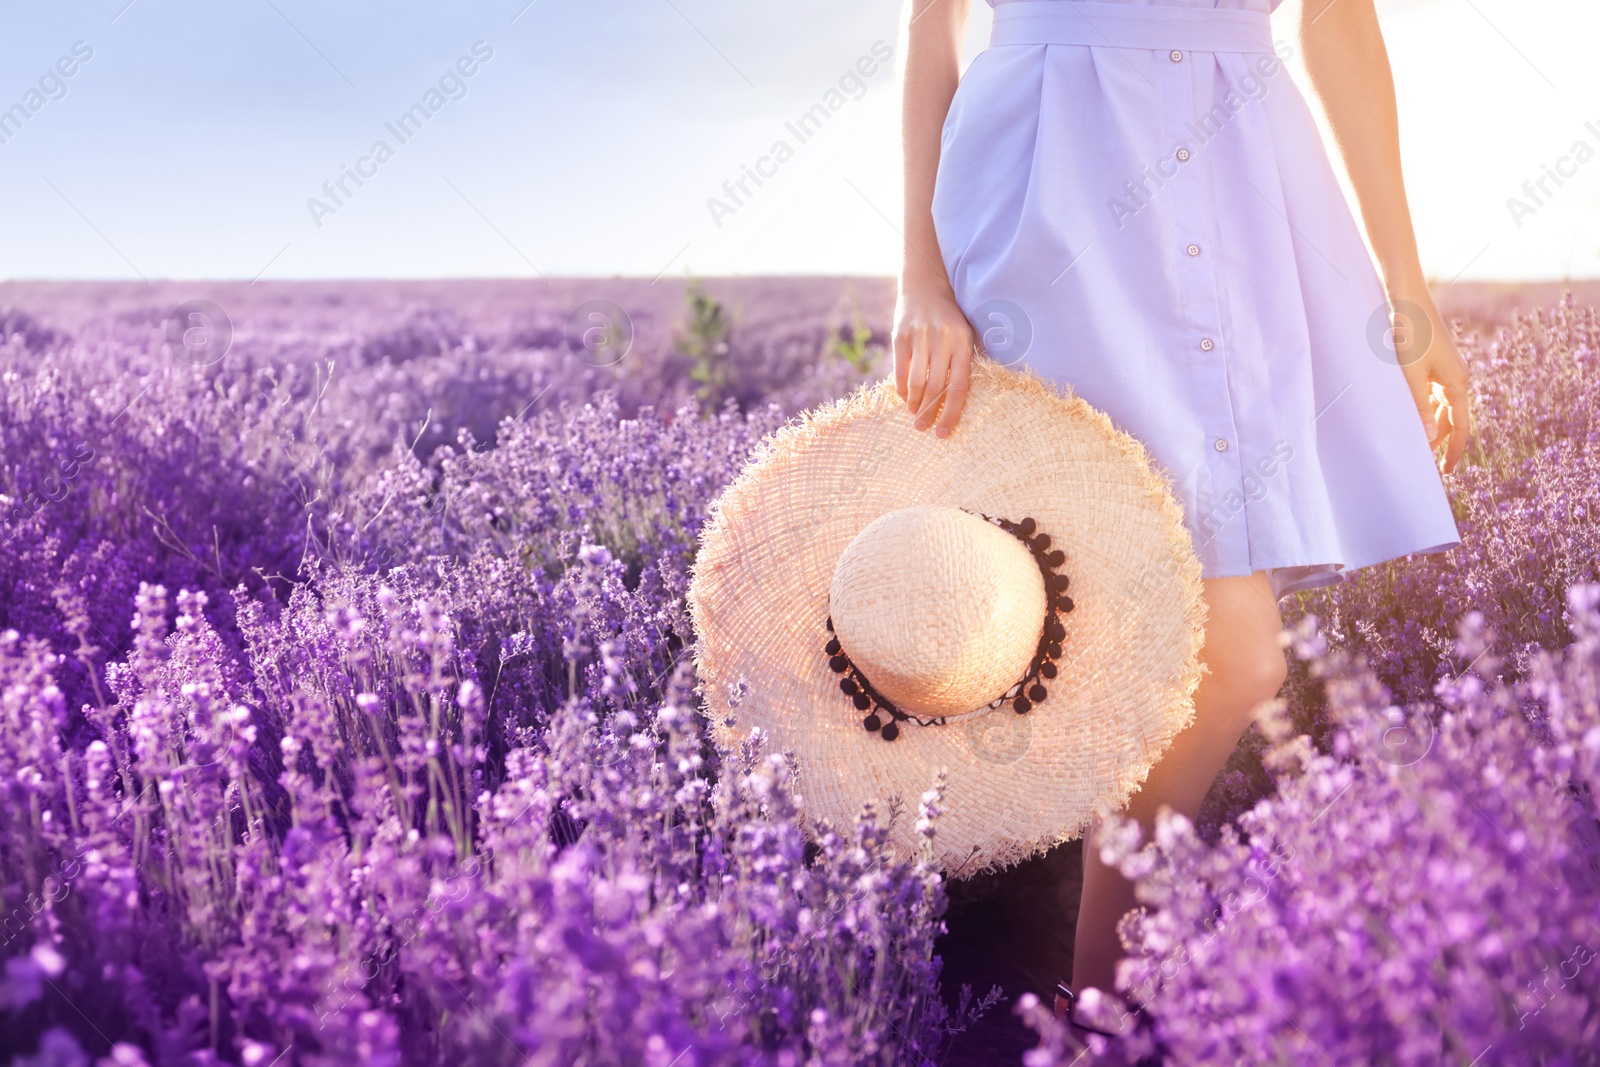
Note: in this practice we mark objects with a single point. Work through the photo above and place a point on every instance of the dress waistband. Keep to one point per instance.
(1158, 26)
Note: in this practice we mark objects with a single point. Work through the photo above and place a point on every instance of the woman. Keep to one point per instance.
(1131, 198)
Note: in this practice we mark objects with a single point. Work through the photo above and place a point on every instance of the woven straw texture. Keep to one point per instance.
(941, 609)
(1018, 784)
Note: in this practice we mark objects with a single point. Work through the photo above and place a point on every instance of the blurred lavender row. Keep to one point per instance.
(344, 679)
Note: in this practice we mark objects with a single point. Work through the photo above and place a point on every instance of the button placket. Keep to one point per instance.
(1221, 479)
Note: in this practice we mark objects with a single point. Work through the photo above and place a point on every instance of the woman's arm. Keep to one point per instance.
(933, 341)
(1349, 69)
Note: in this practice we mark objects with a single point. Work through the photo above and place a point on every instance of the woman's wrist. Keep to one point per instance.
(918, 275)
(1403, 279)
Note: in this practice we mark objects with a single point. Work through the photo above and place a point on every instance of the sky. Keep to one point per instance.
(194, 138)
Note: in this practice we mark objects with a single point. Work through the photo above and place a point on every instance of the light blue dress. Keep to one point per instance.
(1133, 199)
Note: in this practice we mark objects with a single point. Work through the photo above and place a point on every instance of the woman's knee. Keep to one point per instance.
(1239, 687)
(1268, 669)
(1241, 646)
(1247, 672)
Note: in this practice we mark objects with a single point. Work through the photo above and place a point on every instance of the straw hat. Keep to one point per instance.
(1018, 603)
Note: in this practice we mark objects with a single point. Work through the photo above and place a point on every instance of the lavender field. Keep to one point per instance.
(348, 716)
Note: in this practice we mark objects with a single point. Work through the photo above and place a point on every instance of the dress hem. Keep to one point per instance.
(1335, 572)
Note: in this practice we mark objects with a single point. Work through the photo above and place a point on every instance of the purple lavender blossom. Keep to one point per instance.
(348, 718)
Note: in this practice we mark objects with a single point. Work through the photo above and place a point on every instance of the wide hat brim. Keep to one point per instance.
(1017, 784)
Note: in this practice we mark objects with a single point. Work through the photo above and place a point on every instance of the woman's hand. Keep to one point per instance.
(1349, 68)
(933, 347)
(1435, 372)
(932, 338)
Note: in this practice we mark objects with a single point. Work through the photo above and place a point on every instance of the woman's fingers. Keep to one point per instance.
(1457, 411)
(1452, 403)
(902, 361)
(1422, 396)
(956, 397)
(941, 347)
(932, 352)
(917, 371)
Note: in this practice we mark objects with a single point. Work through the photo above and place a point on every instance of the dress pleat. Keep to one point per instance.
(1158, 226)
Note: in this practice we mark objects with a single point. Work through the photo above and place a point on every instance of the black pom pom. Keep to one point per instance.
(1026, 527)
(848, 686)
(1056, 558)
(1022, 706)
(833, 647)
(872, 722)
(1037, 694)
(1065, 604)
(1056, 631)
(1060, 582)
(862, 702)
(1042, 542)
(1047, 670)
(838, 664)
(830, 624)
(890, 732)
(1053, 650)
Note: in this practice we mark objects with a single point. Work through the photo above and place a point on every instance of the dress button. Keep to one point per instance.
(1220, 445)
(1183, 155)
(1177, 56)
(1193, 250)
(1207, 344)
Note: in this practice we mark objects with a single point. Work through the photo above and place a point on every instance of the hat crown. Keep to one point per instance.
(941, 610)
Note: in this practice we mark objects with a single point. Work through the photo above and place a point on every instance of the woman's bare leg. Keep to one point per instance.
(1247, 668)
